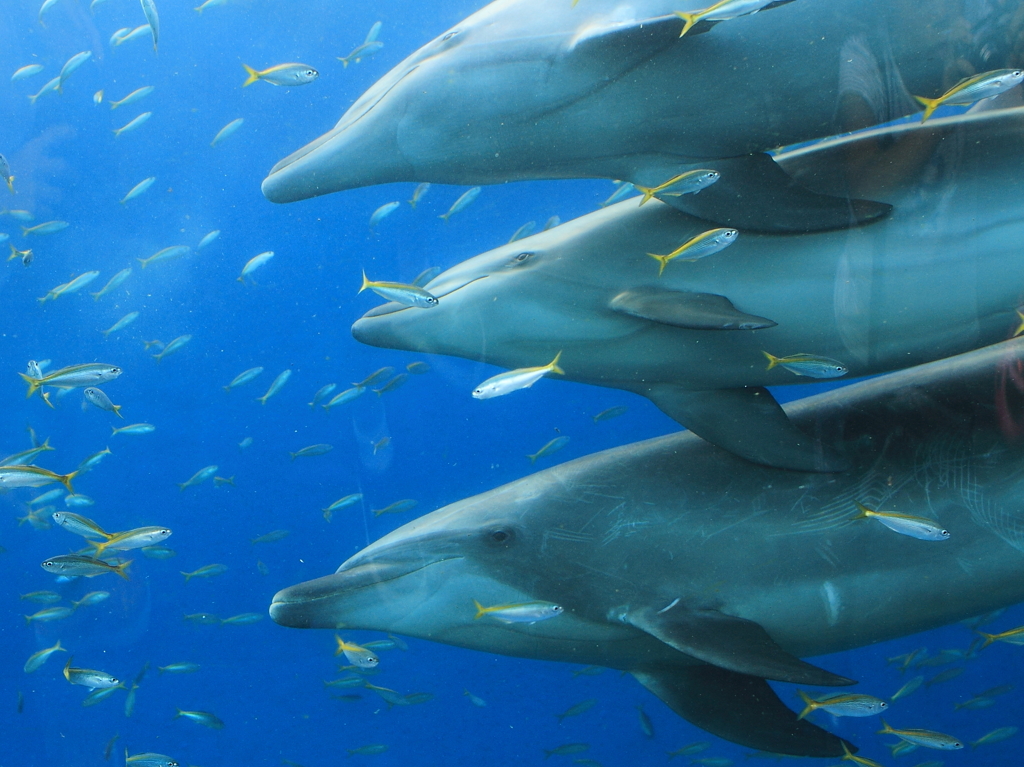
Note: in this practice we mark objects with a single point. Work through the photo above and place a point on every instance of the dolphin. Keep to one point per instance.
(938, 277)
(702, 574)
(531, 89)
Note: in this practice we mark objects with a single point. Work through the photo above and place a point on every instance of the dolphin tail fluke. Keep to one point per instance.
(755, 194)
(747, 422)
(739, 708)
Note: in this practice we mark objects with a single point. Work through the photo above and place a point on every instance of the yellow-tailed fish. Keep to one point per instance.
(355, 654)
(360, 52)
(181, 667)
(722, 11)
(172, 347)
(460, 204)
(346, 396)
(206, 571)
(383, 212)
(50, 87)
(272, 537)
(204, 718)
(690, 182)
(1012, 636)
(138, 189)
(849, 757)
(276, 386)
(513, 380)
(135, 428)
(89, 567)
(380, 444)
(166, 254)
(253, 264)
(89, 678)
(843, 704)
(926, 738)
(393, 384)
(282, 74)
(92, 598)
(995, 736)
(42, 597)
(133, 124)
(210, 4)
(809, 365)
(407, 295)
(113, 283)
(94, 459)
(397, 507)
(122, 323)
(972, 89)
(126, 35)
(552, 446)
(48, 227)
(198, 478)
(36, 660)
(100, 399)
(904, 524)
(243, 619)
(418, 192)
(24, 255)
(322, 393)
(132, 539)
(26, 72)
(5, 173)
(208, 239)
(226, 131)
(79, 525)
(74, 286)
(701, 246)
(32, 476)
(375, 377)
(243, 378)
(47, 4)
(97, 97)
(580, 708)
(131, 98)
(149, 9)
(27, 458)
(312, 450)
(70, 66)
(418, 368)
(522, 612)
(49, 614)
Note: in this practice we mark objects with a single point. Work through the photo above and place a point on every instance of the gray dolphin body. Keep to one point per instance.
(530, 89)
(703, 574)
(937, 278)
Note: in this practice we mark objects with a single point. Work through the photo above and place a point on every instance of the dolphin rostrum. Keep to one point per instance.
(938, 277)
(530, 89)
(703, 575)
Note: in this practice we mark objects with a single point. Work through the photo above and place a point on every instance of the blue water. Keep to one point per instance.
(262, 680)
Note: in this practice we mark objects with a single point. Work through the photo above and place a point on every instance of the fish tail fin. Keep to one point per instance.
(142, 261)
(95, 297)
(366, 282)
(120, 569)
(67, 675)
(253, 76)
(773, 361)
(117, 411)
(262, 400)
(533, 458)
(413, 204)
(181, 489)
(886, 729)
(445, 216)
(808, 704)
(648, 193)
(65, 479)
(199, 10)
(33, 384)
(10, 184)
(930, 105)
(663, 260)
(292, 455)
(863, 512)
(24, 231)
(989, 639)
(689, 20)
(188, 576)
(227, 389)
(344, 62)
(554, 364)
(481, 611)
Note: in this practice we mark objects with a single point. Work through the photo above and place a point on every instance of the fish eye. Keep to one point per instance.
(116, 370)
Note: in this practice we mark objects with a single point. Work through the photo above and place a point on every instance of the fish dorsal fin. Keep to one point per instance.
(682, 309)
(728, 642)
(755, 194)
(618, 46)
(740, 708)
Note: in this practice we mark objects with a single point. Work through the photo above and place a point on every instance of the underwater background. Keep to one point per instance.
(265, 682)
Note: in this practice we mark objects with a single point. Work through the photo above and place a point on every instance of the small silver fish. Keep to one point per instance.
(149, 9)
(26, 72)
(133, 124)
(138, 189)
(122, 323)
(113, 283)
(99, 398)
(807, 365)
(417, 193)
(243, 378)
(282, 74)
(407, 295)
(461, 203)
(89, 678)
(226, 131)
(131, 98)
(72, 64)
(208, 239)
(276, 386)
(383, 212)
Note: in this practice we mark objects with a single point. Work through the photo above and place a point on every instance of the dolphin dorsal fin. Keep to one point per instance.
(683, 309)
(728, 642)
(616, 46)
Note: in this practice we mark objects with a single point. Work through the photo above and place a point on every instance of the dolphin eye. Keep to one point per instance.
(519, 260)
(449, 35)
(502, 536)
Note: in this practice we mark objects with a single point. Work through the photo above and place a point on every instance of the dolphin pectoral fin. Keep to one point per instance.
(695, 311)
(747, 422)
(757, 195)
(739, 708)
(735, 644)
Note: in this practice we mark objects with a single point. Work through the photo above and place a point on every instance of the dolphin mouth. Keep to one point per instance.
(342, 125)
(393, 306)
